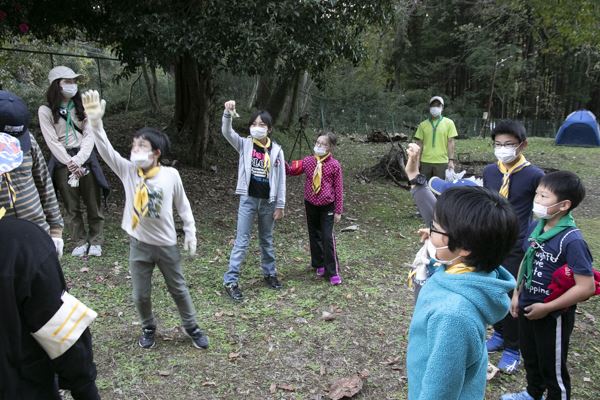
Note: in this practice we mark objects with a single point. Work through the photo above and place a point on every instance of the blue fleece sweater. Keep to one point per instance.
(446, 356)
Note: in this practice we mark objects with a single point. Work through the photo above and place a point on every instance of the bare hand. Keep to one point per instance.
(514, 304)
(72, 166)
(412, 164)
(337, 218)
(536, 311)
(278, 214)
(450, 164)
(423, 234)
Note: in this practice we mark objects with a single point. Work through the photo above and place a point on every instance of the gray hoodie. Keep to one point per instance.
(244, 147)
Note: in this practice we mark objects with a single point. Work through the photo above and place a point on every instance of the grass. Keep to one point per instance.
(279, 337)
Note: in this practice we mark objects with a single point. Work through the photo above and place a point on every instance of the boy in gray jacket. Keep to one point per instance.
(261, 186)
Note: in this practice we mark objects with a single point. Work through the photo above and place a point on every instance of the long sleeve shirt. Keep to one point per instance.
(165, 189)
(332, 181)
(36, 199)
(55, 135)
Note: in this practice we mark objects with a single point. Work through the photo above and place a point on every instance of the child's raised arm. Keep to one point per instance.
(226, 127)
(94, 109)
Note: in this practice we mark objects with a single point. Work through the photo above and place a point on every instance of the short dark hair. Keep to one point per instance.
(510, 127)
(158, 140)
(264, 116)
(565, 185)
(480, 221)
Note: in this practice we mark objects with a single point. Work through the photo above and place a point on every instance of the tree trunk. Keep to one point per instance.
(263, 91)
(278, 95)
(151, 82)
(289, 119)
(193, 97)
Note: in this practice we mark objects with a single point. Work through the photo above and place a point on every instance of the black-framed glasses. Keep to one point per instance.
(432, 229)
(497, 145)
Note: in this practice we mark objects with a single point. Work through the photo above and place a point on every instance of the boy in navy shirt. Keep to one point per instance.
(516, 179)
(545, 326)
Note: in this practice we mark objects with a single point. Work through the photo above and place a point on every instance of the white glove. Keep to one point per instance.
(452, 176)
(93, 106)
(59, 244)
(73, 181)
(189, 244)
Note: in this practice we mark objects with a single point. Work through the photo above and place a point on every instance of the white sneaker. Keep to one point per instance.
(80, 251)
(95, 250)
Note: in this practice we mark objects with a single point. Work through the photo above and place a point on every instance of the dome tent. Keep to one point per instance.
(579, 129)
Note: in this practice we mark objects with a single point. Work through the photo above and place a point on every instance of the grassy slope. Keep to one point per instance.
(278, 337)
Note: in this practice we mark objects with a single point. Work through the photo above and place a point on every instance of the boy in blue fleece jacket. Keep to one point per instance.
(446, 357)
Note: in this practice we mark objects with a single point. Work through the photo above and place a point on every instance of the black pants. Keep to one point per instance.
(322, 242)
(509, 326)
(543, 342)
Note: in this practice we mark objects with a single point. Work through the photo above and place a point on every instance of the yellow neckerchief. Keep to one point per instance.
(318, 173)
(507, 172)
(140, 198)
(459, 268)
(12, 194)
(267, 156)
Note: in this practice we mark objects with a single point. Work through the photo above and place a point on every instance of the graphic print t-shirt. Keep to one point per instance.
(568, 247)
(259, 180)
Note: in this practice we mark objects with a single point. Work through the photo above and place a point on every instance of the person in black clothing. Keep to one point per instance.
(45, 343)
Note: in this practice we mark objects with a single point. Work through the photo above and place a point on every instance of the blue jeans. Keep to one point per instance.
(248, 209)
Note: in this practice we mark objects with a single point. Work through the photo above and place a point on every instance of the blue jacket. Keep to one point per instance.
(446, 356)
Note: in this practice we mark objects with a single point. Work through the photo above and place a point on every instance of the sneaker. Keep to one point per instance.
(335, 280)
(321, 271)
(95, 250)
(234, 291)
(510, 361)
(147, 341)
(495, 343)
(273, 282)
(519, 396)
(199, 339)
(80, 251)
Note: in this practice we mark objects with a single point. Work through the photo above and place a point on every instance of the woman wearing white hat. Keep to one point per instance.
(74, 166)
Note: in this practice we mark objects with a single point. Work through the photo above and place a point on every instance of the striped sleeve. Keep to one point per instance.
(43, 183)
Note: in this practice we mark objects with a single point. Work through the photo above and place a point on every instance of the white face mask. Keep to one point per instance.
(142, 159)
(435, 111)
(505, 154)
(319, 151)
(541, 211)
(443, 262)
(258, 132)
(68, 89)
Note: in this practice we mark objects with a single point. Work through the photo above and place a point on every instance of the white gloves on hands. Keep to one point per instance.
(452, 176)
(189, 244)
(59, 244)
(93, 106)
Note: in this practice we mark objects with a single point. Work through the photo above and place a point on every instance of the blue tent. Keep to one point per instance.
(579, 129)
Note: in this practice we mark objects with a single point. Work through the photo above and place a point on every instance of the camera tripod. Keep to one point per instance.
(300, 136)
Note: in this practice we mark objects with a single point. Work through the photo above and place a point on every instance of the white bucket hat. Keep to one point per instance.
(62, 72)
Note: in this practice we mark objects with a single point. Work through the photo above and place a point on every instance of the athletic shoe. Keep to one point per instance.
(95, 250)
(147, 341)
(234, 291)
(273, 282)
(321, 271)
(519, 396)
(510, 361)
(495, 343)
(199, 339)
(80, 251)
(335, 280)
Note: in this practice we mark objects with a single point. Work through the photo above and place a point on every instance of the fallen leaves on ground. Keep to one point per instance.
(348, 386)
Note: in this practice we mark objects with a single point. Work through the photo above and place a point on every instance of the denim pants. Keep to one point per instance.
(248, 209)
(142, 259)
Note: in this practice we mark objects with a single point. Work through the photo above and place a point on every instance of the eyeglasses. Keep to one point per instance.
(432, 229)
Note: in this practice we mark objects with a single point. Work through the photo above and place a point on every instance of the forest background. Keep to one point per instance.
(347, 66)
